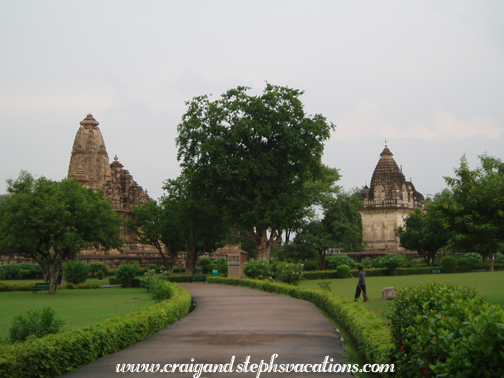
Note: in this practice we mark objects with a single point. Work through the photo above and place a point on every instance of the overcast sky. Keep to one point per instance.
(427, 75)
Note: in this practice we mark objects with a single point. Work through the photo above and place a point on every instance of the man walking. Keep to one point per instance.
(361, 285)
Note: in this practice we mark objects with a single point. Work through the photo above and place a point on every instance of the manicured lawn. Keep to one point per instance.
(488, 284)
(78, 308)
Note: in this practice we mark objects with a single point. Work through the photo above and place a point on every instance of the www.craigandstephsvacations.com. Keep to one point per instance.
(326, 366)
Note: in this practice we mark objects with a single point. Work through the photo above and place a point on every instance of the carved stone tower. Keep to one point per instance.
(386, 204)
(89, 164)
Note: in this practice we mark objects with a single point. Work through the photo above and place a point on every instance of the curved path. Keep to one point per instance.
(233, 321)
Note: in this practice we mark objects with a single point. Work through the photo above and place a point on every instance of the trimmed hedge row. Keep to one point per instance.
(28, 286)
(54, 355)
(179, 278)
(372, 336)
(327, 274)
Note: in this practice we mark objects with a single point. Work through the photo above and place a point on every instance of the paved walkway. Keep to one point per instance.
(233, 321)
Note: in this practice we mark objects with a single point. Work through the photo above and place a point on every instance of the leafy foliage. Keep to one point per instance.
(333, 261)
(37, 323)
(75, 271)
(55, 355)
(52, 221)
(96, 266)
(425, 232)
(162, 291)
(474, 211)
(258, 268)
(255, 154)
(289, 273)
(392, 261)
(343, 271)
(125, 274)
(449, 264)
(439, 329)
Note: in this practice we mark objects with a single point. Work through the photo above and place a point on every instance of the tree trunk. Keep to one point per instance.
(54, 270)
(190, 264)
(264, 244)
(492, 261)
(322, 260)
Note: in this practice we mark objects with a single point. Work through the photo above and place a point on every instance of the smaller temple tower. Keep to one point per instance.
(386, 204)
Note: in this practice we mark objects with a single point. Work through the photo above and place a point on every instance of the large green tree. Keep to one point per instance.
(341, 226)
(199, 223)
(51, 222)
(255, 154)
(474, 211)
(155, 224)
(425, 232)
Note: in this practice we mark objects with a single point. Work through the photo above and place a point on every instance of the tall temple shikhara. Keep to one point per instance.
(90, 165)
(386, 204)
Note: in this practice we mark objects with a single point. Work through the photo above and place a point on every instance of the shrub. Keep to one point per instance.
(149, 280)
(392, 261)
(36, 322)
(376, 262)
(113, 281)
(96, 267)
(100, 275)
(75, 271)
(126, 274)
(220, 260)
(309, 266)
(162, 291)
(325, 285)
(289, 273)
(258, 269)
(333, 261)
(439, 329)
(55, 355)
(9, 271)
(499, 258)
(210, 268)
(449, 264)
(23, 273)
(343, 271)
(152, 266)
(179, 278)
(367, 262)
(203, 263)
(163, 268)
(473, 260)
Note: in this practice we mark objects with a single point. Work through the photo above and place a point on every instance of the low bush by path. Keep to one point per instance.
(488, 284)
(54, 355)
(79, 308)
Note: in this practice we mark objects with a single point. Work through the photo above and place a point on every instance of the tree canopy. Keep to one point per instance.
(474, 211)
(255, 155)
(52, 221)
(425, 232)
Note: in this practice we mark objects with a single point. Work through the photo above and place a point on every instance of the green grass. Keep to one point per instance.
(488, 284)
(79, 308)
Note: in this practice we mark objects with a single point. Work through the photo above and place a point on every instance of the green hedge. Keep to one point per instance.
(179, 278)
(326, 274)
(54, 355)
(372, 336)
(28, 286)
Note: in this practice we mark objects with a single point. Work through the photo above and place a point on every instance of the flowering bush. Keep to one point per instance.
(443, 330)
(289, 273)
(149, 280)
(258, 269)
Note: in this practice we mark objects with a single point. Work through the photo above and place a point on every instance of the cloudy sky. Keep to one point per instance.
(428, 76)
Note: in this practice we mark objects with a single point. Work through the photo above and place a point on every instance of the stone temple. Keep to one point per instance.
(386, 204)
(89, 164)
